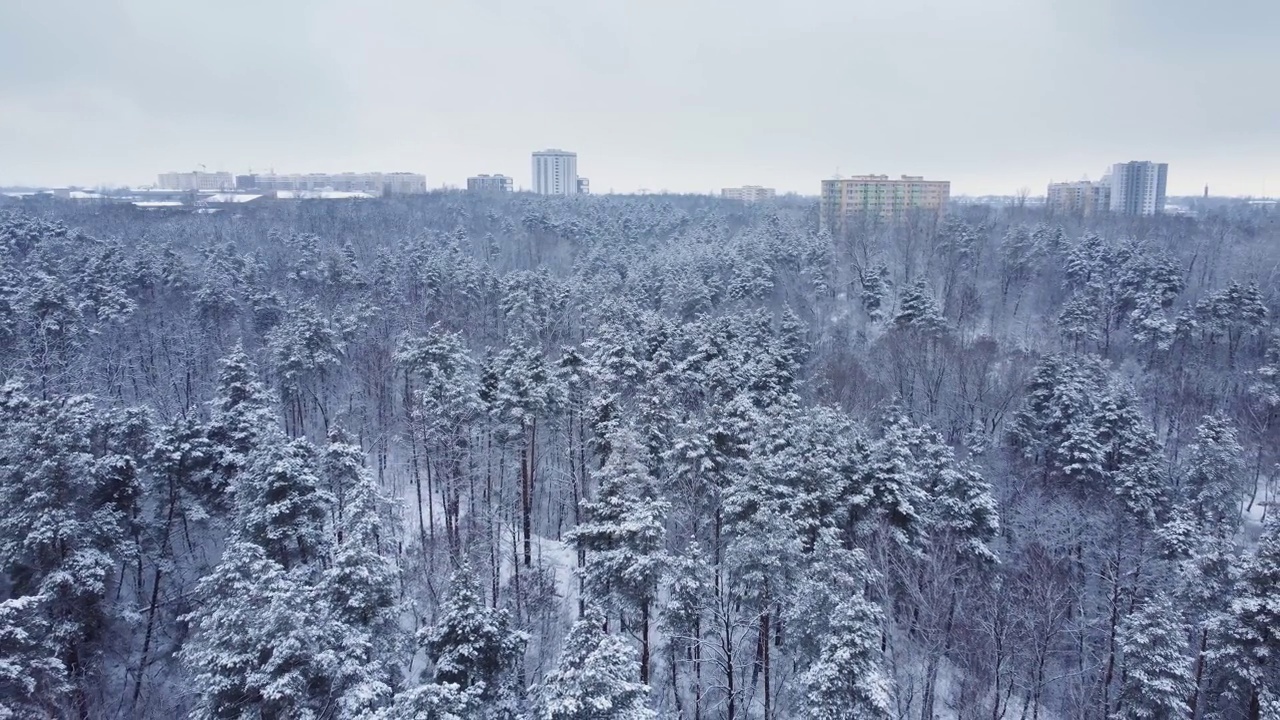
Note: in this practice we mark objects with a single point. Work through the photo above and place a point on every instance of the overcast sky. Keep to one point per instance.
(683, 95)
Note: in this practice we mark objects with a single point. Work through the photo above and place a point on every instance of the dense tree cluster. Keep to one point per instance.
(450, 457)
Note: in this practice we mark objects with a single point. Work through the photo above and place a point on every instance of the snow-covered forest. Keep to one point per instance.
(452, 456)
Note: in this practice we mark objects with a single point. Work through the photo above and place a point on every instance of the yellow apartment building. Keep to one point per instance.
(877, 196)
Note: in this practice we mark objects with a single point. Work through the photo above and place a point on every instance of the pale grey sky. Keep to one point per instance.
(659, 94)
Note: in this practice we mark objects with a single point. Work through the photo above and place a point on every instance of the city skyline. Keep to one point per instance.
(990, 95)
(434, 183)
(511, 186)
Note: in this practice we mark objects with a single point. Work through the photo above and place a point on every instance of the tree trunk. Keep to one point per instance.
(764, 640)
(1194, 702)
(146, 640)
(431, 495)
(1109, 676)
(697, 669)
(526, 493)
(727, 645)
(417, 483)
(644, 642)
(675, 680)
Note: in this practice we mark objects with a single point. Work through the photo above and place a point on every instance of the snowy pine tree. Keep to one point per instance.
(894, 481)
(242, 417)
(1250, 649)
(960, 511)
(1213, 483)
(845, 679)
(474, 648)
(280, 504)
(64, 513)
(1156, 680)
(592, 679)
(32, 677)
(835, 634)
(917, 311)
(258, 645)
(623, 535)
(361, 586)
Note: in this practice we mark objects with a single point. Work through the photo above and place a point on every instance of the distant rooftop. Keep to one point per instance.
(885, 178)
(321, 195)
(145, 204)
(231, 198)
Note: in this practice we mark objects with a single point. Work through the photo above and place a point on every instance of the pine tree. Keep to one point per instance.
(10, 302)
(1215, 466)
(63, 517)
(1132, 459)
(52, 326)
(446, 402)
(361, 587)
(527, 391)
(875, 288)
(306, 348)
(592, 679)
(1058, 425)
(836, 634)
(918, 311)
(1266, 385)
(280, 504)
(839, 631)
(179, 479)
(241, 418)
(1021, 252)
(474, 648)
(655, 400)
(1156, 681)
(1250, 649)
(434, 701)
(1150, 325)
(32, 678)
(894, 482)
(623, 535)
(259, 640)
(101, 284)
(961, 512)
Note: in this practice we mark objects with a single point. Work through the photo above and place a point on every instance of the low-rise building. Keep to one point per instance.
(877, 197)
(490, 183)
(584, 186)
(1078, 198)
(231, 198)
(196, 180)
(404, 183)
(320, 195)
(749, 193)
(397, 183)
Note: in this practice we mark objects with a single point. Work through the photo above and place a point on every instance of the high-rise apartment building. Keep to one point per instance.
(749, 193)
(196, 180)
(876, 196)
(489, 183)
(555, 172)
(1138, 187)
(1078, 198)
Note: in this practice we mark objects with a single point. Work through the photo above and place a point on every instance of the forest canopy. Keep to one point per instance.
(475, 456)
